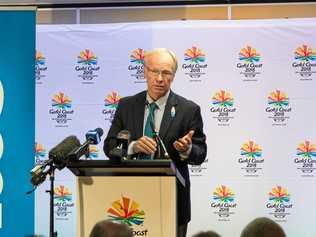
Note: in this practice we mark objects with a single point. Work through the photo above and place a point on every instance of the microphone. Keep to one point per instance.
(122, 142)
(58, 156)
(159, 141)
(93, 137)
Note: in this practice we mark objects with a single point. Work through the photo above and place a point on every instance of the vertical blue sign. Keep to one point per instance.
(17, 121)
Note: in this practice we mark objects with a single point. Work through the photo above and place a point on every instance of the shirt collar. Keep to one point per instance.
(161, 101)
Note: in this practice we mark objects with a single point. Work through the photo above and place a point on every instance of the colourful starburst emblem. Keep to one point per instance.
(278, 99)
(87, 57)
(223, 99)
(223, 194)
(62, 194)
(305, 53)
(126, 211)
(112, 100)
(39, 58)
(39, 150)
(279, 195)
(249, 54)
(306, 149)
(61, 101)
(251, 150)
(194, 55)
(93, 151)
(137, 56)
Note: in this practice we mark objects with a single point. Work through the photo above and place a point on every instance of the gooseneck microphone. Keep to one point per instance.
(93, 137)
(122, 143)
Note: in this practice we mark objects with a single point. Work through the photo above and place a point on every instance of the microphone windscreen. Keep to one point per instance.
(99, 131)
(60, 152)
(94, 136)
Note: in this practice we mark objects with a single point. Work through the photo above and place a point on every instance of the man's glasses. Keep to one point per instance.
(165, 74)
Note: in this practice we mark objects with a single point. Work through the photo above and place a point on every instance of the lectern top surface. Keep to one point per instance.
(124, 167)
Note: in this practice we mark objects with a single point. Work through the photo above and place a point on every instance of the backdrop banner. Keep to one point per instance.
(17, 121)
(255, 82)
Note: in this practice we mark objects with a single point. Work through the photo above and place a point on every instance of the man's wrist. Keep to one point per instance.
(185, 154)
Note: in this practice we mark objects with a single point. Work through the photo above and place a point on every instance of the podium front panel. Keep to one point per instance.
(146, 203)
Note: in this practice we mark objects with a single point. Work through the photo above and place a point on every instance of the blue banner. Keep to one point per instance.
(17, 121)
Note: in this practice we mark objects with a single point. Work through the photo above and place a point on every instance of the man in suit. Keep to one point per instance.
(177, 119)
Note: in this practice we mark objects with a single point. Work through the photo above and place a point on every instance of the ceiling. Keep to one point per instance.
(95, 3)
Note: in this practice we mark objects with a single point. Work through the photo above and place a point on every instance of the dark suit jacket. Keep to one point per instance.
(130, 116)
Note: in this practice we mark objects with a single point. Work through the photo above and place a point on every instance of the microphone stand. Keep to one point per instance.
(39, 176)
(158, 151)
(51, 173)
(156, 136)
(160, 145)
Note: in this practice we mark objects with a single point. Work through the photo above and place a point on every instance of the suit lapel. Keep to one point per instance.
(139, 110)
(167, 118)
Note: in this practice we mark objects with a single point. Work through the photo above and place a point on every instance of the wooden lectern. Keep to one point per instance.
(141, 193)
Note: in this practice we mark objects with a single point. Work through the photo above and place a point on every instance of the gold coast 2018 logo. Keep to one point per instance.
(278, 108)
(249, 64)
(304, 62)
(279, 204)
(136, 67)
(63, 202)
(223, 107)
(61, 110)
(194, 66)
(223, 202)
(251, 159)
(306, 158)
(40, 67)
(128, 211)
(110, 105)
(87, 66)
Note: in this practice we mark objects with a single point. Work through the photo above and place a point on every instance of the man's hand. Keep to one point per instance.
(183, 144)
(145, 145)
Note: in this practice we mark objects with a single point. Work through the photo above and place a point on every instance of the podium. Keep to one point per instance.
(140, 193)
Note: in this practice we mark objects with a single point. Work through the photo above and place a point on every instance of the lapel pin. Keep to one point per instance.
(173, 112)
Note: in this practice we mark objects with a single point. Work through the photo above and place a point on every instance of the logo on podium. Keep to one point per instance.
(128, 211)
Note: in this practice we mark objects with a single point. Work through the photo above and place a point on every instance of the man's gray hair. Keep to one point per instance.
(160, 51)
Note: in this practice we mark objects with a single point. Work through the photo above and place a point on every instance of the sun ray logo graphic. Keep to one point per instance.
(112, 100)
(279, 195)
(87, 57)
(61, 101)
(126, 211)
(62, 194)
(137, 56)
(223, 194)
(306, 150)
(40, 152)
(39, 58)
(278, 99)
(305, 53)
(93, 152)
(194, 55)
(223, 99)
(251, 150)
(249, 55)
